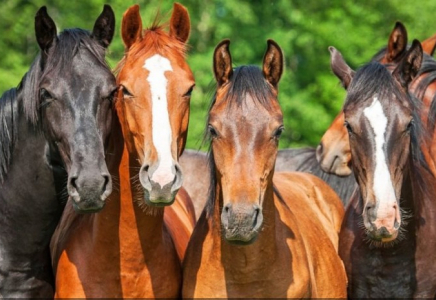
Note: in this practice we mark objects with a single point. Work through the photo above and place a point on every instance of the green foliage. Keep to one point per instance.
(309, 93)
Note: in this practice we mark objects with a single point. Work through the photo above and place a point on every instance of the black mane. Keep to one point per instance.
(8, 130)
(247, 80)
(304, 160)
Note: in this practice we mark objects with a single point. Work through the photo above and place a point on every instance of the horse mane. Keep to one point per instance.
(247, 80)
(244, 80)
(154, 39)
(58, 59)
(426, 75)
(8, 130)
(304, 160)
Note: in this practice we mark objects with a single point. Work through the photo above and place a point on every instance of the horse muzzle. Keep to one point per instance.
(89, 193)
(241, 223)
(160, 187)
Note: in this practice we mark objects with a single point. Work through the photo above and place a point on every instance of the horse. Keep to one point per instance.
(133, 248)
(386, 240)
(196, 169)
(231, 254)
(42, 155)
(333, 152)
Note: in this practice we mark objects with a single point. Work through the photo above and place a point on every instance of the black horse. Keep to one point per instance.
(54, 131)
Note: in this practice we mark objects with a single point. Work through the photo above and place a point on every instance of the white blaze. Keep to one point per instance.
(383, 187)
(161, 129)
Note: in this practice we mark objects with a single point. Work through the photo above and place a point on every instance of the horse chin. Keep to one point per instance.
(384, 239)
(159, 200)
(86, 207)
(240, 239)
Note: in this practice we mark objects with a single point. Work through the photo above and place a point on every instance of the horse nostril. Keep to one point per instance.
(256, 214)
(73, 182)
(106, 182)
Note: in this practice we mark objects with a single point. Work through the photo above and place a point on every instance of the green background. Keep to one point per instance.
(310, 94)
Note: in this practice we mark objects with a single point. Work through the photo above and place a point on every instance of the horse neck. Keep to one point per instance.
(29, 217)
(258, 255)
(123, 210)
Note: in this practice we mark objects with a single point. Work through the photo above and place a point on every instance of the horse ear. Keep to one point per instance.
(104, 27)
(397, 43)
(409, 66)
(273, 63)
(340, 67)
(222, 62)
(180, 24)
(45, 29)
(429, 45)
(131, 27)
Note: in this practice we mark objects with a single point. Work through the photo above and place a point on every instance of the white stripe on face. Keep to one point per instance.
(161, 129)
(383, 187)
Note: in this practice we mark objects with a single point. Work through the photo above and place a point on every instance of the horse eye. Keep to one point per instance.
(278, 132)
(410, 125)
(348, 126)
(126, 92)
(189, 92)
(45, 95)
(213, 133)
(112, 95)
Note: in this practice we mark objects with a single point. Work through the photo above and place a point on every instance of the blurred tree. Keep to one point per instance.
(309, 93)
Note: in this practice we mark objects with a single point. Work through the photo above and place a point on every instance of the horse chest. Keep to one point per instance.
(383, 273)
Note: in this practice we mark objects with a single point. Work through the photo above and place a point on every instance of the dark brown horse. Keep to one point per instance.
(333, 152)
(262, 235)
(133, 248)
(387, 239)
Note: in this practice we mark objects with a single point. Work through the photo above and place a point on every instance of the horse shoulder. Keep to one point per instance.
(179, 219)
(317, 213)
(320, 199)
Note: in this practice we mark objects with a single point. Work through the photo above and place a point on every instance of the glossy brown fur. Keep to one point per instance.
(402, 267)
(294, 254)
(333, 152)
(131, 249)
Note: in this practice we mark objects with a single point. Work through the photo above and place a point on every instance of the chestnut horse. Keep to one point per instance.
(231, 254)
(388, 234)
(53, 133)
(333, 152)
(134, 247)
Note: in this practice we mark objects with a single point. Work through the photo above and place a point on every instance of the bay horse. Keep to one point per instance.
(333, 151)
(387, 238)
(232, 253)
(133, 248)
(195, 164)
(58, 108)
